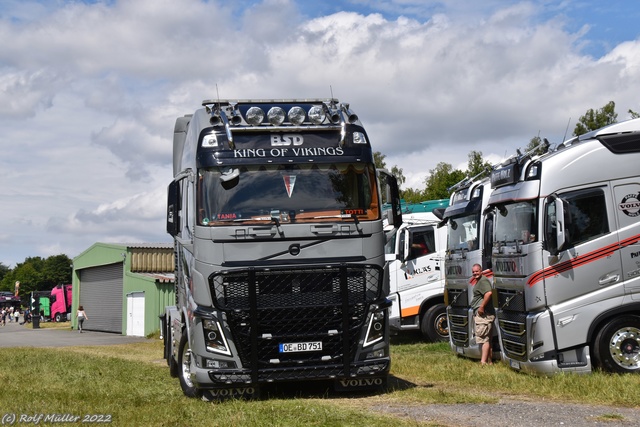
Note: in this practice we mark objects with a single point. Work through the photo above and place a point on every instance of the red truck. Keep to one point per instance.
(60, 299)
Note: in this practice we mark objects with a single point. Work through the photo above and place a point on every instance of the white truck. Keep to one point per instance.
(415, 253)
(469, 242)
(566, 254)
(276, 213)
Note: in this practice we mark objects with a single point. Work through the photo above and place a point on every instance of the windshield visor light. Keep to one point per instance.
(214, 337)
(209, 141)
(317, 115)
(533, 172)
(254, 116)
(296, 116)
(358, 138)
(276, 116)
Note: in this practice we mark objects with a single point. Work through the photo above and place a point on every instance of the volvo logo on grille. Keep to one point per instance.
(294, 249)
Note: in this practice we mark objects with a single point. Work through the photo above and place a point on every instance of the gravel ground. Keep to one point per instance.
(516, 413)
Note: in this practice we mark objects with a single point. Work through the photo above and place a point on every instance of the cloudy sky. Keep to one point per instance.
(89, 91)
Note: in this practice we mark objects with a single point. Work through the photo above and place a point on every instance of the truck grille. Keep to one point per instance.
(458, 297)
(459, 326)
(513, 333)
(268, 307)
(511, 300)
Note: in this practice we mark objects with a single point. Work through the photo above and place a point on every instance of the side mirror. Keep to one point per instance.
(554, 228)
(173, 208)
(389, 183)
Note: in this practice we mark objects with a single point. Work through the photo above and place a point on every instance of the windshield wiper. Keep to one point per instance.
(277, 221)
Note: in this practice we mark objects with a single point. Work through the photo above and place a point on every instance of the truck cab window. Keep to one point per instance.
(293, 193)
(587, 216)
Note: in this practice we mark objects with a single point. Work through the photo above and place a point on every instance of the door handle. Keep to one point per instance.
(609, 279)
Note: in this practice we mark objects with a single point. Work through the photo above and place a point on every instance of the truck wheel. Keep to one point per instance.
(434, 325)
(58, 317)
(617, 345)
(184, 363)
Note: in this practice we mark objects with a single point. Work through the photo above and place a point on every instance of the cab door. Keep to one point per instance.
(586, 267)
(627, 201)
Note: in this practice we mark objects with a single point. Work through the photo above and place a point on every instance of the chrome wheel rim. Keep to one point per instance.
(186, 371)
(624, 348)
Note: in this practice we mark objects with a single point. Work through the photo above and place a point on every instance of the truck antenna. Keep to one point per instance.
(566, 130)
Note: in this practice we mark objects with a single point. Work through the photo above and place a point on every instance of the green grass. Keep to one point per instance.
(437, 366)
(131, 383)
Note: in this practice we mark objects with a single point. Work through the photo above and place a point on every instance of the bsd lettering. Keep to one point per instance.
(286, 140)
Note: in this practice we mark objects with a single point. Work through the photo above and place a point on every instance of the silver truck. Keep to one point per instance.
(469, 242)
(275, 210)
(566, 254)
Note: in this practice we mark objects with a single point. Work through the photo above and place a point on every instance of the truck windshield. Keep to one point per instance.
(463, 233)
(516, 222)
(288, 193)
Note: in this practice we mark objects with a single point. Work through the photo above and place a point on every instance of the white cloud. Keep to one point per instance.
(89, 93)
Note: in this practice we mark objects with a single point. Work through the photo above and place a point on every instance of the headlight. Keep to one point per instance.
(375, 331)
(214, 337)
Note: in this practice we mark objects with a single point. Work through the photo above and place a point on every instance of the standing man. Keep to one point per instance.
(484, 313)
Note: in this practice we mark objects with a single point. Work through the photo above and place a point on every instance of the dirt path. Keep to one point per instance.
(511, 412)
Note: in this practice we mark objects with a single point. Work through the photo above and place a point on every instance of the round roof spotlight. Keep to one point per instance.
(254, 116)
(296, 115)
(276, 116)
(316, 115)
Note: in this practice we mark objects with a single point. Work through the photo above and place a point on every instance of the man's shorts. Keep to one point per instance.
(484, 326)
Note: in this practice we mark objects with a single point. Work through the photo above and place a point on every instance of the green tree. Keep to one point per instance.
(3, 270)
(440, 180)
(38, 274)
(57, 270)
(477, 166)
(378, 160)
(633, 114)
(593, 120)
(536, 146)
(411, 195)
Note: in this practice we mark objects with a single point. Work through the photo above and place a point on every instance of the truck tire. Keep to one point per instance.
(174, 369)
(58, 317)
(617, 345)
(434, 325)
(184, 357)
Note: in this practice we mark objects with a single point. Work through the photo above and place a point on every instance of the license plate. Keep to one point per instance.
(460, 350)
(514, 364)
(296, 347)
